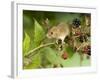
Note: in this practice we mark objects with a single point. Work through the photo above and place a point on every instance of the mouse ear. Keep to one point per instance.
(62, 24)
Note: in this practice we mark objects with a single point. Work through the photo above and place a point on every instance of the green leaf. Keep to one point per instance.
(51, 55)
(70, 51)
(26, 44)
(36, 61)
(75, 61)
(27, 22)
(86, 61)
(39, 34)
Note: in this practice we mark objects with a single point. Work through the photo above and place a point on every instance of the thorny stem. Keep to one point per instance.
(81, 59)
(81, 55)
(83, 44)
(30, 53)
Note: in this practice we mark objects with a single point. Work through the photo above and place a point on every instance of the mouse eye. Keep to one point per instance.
(51, 32)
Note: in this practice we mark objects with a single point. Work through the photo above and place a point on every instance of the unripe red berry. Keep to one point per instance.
(87, 50)
(64, 56)
(77, 33)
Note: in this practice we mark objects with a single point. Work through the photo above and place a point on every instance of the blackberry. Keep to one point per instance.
(81, 39)
(76, 23)
(85, 38)
(60, 47)
(66, 39)
(88, 34)
(87, 50)
(59, 41)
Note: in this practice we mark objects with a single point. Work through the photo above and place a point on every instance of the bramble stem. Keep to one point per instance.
(30, 53)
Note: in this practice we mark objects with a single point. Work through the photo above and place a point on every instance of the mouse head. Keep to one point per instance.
(53, 32)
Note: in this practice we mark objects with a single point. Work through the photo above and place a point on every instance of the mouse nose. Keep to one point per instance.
(48, 35)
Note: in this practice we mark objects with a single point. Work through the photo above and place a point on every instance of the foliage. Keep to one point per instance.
(41, 52)
(26, 44)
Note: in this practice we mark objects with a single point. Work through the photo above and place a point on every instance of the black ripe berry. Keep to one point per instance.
(81, 39)
(59, 41)
(87, 50)
(76, 23)
(66, 39)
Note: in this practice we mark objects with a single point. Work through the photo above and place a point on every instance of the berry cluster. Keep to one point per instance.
(87, 50)
(66, 39)
(82, 38)
(76, 23)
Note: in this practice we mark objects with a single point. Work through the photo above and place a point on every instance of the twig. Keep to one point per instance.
(30, 53)
(82, 45)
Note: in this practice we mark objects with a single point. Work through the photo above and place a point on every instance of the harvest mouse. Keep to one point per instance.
(59, 32)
